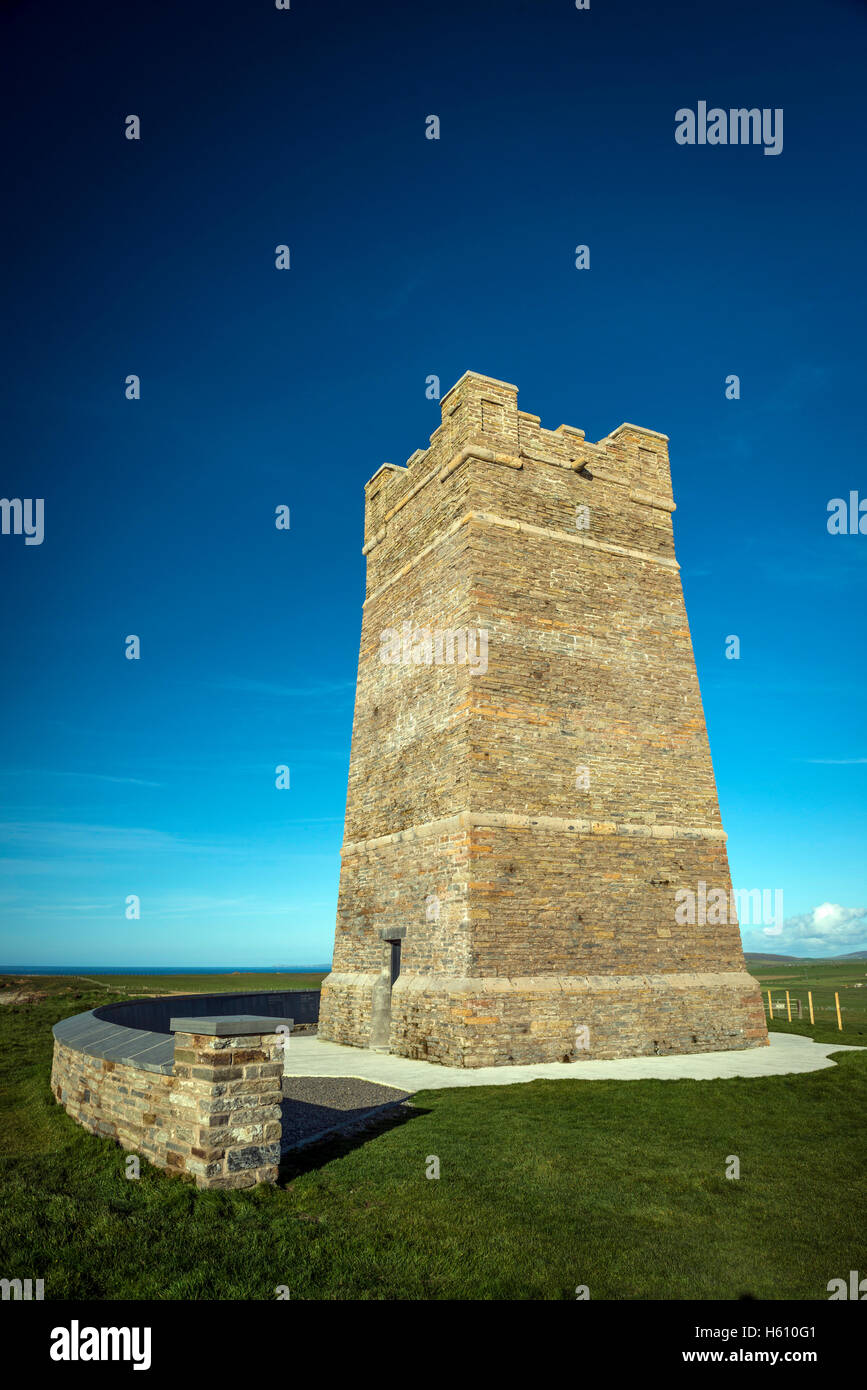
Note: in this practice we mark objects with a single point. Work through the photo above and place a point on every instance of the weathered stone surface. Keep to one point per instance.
(532, 902)
(252, 1156)
(185, 1122)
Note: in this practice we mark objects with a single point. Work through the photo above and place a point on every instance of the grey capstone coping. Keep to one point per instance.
(136, 1047)
(229, 1025)
(114, 1043)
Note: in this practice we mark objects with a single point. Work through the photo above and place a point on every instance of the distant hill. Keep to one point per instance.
(761, 955)
(757, 957)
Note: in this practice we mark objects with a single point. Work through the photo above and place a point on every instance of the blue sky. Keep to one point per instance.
(409, 257)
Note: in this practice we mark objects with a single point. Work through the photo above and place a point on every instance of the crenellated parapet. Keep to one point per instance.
(623, 479)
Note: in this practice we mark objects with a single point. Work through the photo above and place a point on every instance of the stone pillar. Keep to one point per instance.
(226, 1098)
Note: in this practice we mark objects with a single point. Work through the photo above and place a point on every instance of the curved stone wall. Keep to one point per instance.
(202, 1097)
(155, 1015)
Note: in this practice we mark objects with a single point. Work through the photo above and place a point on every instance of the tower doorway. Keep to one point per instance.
(380, 1019)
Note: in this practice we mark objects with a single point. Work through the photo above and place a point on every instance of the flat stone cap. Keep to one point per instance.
(229, 1025)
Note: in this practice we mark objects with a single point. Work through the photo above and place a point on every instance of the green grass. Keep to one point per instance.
(823, 978)
(617, 1185)
(149, 986)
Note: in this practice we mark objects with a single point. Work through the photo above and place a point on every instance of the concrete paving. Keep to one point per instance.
(787, 1054)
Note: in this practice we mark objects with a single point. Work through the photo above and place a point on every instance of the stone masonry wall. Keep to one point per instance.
(216, 1118)
(500, 1021)
(116, 1101)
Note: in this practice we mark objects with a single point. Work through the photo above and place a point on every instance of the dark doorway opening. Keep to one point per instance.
(395, 960)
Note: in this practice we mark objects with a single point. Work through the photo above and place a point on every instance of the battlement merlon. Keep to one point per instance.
(482, 411)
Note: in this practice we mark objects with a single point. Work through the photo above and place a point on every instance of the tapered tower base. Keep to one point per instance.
(558, 1018)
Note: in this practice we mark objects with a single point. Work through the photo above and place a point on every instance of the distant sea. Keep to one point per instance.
(162, 969)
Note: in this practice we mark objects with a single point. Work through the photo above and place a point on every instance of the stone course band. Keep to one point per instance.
(526, 528)
(496, 820)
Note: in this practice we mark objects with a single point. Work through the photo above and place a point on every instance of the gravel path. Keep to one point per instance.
(315, 1104)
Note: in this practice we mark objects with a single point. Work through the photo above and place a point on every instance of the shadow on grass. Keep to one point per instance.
(344, 1137)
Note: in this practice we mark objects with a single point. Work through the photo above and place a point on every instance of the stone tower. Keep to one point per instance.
(530, 782)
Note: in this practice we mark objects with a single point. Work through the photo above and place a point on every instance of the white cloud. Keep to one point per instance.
(838, 762)
(827, 930)
(91, 776)
(75, 837)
